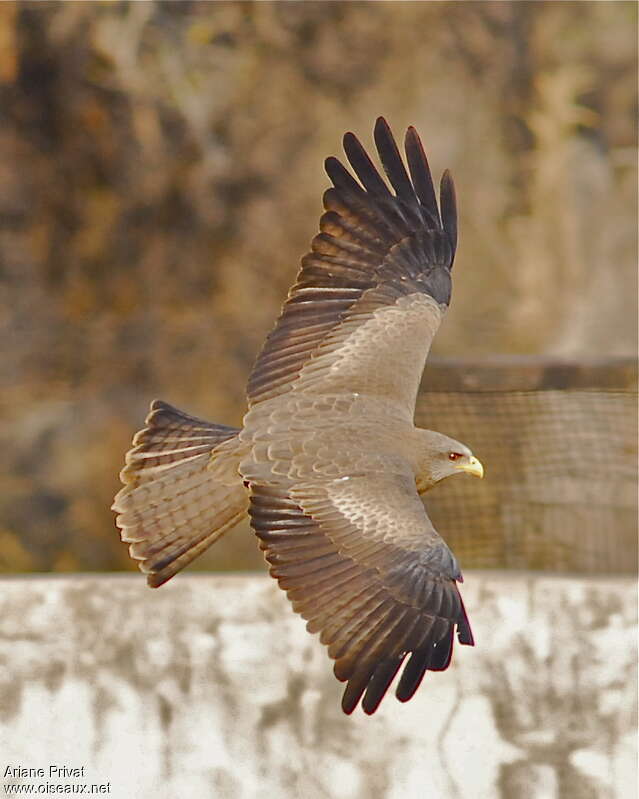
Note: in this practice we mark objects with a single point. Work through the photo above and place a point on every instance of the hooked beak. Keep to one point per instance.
(471, 466)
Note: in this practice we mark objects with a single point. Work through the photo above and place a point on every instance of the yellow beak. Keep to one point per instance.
(472, 466)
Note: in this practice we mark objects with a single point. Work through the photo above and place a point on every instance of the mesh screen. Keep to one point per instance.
(560, 486)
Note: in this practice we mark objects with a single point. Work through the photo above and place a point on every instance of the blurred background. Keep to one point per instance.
(162, 174)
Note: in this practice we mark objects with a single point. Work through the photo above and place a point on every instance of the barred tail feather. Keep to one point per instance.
(182, 490)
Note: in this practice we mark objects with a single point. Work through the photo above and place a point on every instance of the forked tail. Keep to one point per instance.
(182, 490)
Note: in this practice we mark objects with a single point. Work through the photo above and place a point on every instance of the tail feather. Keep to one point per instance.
(182, 490)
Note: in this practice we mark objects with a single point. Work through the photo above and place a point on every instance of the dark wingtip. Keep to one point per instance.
(464, 631)
(363, 166)
(382, 678)
(442, 653)
(412, 138)
(381, 124)
(448, 203)
(349, 139)
(413, 674)
(329, 164)
(420, 173)
(341, 177)
(465, 634)
(348, 705)
(392, 162)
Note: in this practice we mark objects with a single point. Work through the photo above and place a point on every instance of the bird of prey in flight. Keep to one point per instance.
(329, 464)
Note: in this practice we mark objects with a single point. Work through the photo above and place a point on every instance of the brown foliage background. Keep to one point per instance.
(161, 175)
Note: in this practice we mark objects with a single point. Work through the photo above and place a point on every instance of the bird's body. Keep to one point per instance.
(329, 464)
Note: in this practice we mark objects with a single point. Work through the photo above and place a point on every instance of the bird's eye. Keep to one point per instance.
(454, 456)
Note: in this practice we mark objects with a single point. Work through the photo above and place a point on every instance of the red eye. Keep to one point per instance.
(454, 456)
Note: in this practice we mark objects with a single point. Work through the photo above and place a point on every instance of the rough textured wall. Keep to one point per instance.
(212, 687)
(161, 175)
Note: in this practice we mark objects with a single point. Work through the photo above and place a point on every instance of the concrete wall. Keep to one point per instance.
(210, 687)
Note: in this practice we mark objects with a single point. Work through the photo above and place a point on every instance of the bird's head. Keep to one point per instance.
(441, 457)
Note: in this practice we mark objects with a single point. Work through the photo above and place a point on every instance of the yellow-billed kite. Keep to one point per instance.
(329, 464)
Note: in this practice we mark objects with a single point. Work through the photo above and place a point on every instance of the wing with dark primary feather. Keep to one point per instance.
(361, 561)
(377, 279)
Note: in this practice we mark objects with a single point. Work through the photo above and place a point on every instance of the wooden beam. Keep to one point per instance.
(529, 373)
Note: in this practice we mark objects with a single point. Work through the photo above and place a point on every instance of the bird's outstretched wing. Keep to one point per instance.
(360, 560)
(371, 293)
